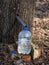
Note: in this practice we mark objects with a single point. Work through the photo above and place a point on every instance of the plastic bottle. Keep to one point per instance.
(24, 41)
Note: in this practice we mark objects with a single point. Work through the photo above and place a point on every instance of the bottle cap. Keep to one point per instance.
(13, 52)
(26, 28)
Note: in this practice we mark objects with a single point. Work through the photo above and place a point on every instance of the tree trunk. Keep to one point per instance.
(9, 9)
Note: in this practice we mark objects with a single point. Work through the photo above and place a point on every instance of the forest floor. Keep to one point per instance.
(8, 59)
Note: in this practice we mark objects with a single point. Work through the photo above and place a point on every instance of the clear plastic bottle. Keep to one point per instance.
(24, 41)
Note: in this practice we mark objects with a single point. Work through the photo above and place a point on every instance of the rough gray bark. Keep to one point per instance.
(7, 17)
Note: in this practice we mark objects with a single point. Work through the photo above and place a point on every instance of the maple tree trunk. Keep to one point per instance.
(8, 12)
